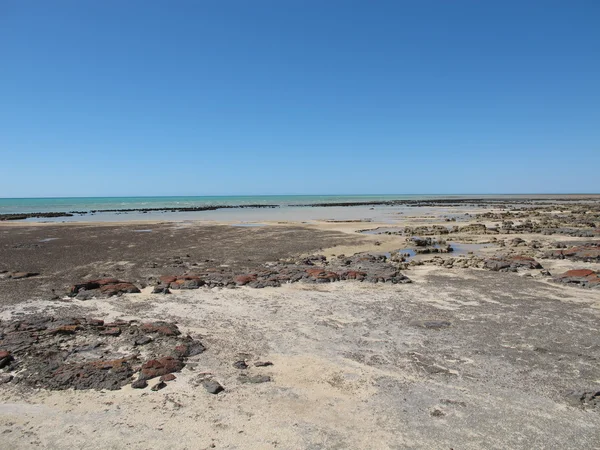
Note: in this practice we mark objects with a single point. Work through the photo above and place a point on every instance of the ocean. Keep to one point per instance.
(289, 207)
(67, 204)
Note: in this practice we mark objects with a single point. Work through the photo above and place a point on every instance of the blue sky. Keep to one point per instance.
(298, 97)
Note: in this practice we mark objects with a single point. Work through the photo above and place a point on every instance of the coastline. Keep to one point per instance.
(414, 354)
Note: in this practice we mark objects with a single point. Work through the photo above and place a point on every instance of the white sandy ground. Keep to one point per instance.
(350, 371)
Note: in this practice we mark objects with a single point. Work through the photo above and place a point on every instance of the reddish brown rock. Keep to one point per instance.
(322, 275)
(588, 253)
(158, 367)
(93, 284)
(579, 277)
(112, 331)
(578, 273)
(167, 279)
(66, 329)
(168, 377)
(242, 280)
(353, 275)
(111, 290)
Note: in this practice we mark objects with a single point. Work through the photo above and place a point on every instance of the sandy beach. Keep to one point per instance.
(436, 326)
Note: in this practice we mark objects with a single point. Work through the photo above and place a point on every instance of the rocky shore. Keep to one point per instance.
(420, 333)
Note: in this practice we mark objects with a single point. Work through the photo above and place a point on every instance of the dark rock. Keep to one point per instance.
(161, 289)
(212, 386)
(584, 399)
(143, 340)
(139, 384)
(5, 378)
(111, 290)
(263, 363)
(112, 331)
(99, 374)
(158, 386)
(20, 275)
(240, 365)
(189, 348)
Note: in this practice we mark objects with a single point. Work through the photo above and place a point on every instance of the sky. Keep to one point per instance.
(120, 98)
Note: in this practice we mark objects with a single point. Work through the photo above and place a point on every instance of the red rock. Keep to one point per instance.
(66, 329)
(158, 367)
(242, 280)
(113, 331)
(96, 322)
(168, 377)
(119, 288)
(353, 275)
(577, 273)
(167, 279)
(4, 354)
(321, 274)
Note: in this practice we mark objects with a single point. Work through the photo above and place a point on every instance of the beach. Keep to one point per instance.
(458, 323)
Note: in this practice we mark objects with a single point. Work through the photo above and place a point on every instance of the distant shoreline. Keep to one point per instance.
(431, 201)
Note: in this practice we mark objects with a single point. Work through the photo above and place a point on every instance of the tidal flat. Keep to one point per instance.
(460, 325)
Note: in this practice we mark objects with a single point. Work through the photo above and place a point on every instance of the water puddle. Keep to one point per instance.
(48, 239)
(142, 231)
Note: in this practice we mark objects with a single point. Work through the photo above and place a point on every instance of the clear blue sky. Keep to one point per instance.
(152, 97)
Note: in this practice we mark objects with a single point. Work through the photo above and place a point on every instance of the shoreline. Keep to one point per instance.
(523, 199)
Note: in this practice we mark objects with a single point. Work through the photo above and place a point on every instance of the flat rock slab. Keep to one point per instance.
(83, 353)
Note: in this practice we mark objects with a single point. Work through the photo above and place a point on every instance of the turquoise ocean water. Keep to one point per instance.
(67, 204)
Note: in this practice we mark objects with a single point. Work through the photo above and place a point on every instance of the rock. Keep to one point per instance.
(5, 378)
(143, 340)
(254, 379)
(161, 289)
(21, 275)
(511, 263)
(93, 284)
(322, 275)
(107, 287)
(263, 363)
(212, 386)
(584, 399)
(139, 384)
(240, 365)
(5, 358)
(168, 377)
(580, 277)
(190, 348)
(162, 328)
(65, 329)
(87, 295)
(99, 374)
(111, 290)
(242, 280)
(158, 386)
(112, 331)
(587, 253)
(162, 366)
